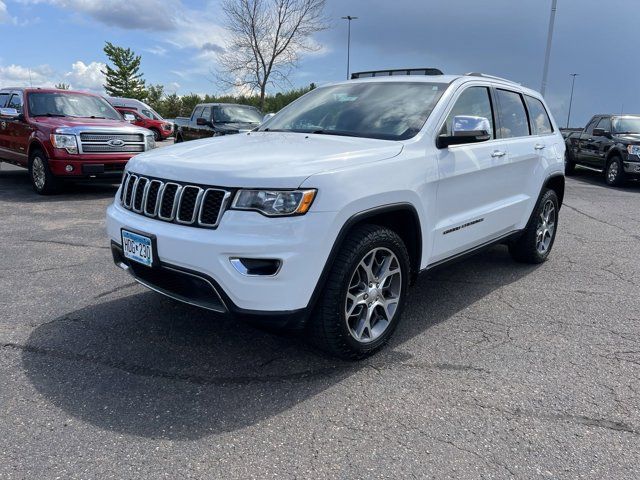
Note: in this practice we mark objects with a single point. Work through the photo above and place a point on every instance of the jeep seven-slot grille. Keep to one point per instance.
(169, 201)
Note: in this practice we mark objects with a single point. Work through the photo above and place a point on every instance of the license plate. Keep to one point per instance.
(137, 248)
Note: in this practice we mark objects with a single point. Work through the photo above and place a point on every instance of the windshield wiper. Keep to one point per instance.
(50, 115)
(332, 132)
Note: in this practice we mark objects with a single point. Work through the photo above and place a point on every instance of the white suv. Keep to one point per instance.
(323, 216)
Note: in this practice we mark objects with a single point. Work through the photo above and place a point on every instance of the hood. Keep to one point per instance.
(235, 127)
(633, 138)
(73, 122)
(260, 159)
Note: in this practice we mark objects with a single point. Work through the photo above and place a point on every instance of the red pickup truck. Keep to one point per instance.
(65, 135)
(161, 129)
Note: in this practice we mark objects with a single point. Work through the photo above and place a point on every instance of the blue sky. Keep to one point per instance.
(51, 41)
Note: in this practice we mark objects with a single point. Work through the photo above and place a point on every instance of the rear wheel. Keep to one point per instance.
(614, 173)
(42, 180)
(535, 243)
(364, 294)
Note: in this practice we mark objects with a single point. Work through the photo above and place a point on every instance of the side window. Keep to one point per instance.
(196, 113)
(513, 116)
(206, 113)
(540, 121)
(591, 126)
(605, 124)
(15, 102)
(3, 99)
(475, 102)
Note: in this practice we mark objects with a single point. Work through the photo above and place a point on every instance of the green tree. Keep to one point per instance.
(154, 96)
(124, 78)
(171, 106)
(63, 86)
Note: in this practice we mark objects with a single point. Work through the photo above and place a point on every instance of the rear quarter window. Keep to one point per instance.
(540, 121)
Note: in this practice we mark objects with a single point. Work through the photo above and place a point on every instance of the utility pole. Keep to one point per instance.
(349, 18)
(547, 54)
(573, 82)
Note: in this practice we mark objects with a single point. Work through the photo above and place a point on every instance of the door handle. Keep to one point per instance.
(539, 146)
(498, 153)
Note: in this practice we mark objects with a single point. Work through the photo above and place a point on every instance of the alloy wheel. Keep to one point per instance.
(612, 172)
(38, 172)
(546, 227)
(373, 295)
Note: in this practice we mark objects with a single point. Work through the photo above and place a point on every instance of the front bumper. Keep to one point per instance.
(301, 243)
(89, 167)
(632, 168)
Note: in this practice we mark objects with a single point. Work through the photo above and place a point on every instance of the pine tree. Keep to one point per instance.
(123, 79)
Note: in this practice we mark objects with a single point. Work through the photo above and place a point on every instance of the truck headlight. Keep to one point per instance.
(67, 142)
(151, 143)
(634, 150)
(275, 203)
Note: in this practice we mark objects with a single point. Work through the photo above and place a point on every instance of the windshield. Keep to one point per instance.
(626, 124)
(59, 104)
(384, 110)
(236, 114)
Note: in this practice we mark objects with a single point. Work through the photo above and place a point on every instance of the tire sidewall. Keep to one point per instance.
(619, 178)
(398, 248)
(546, 196)
(156, 135)
(48, 176)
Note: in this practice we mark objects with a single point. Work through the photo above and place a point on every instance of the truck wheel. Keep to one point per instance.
(569, 164)
(614, 173)
(42, 180)
(156, 135)
(364, 294)
(535, 243)
(179, 138)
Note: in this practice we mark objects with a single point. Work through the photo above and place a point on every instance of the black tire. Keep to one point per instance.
(569, 164)
(525, 248)
(42, 180)
(614, 173)
(329, 327)
(179, 138)
(156, 135)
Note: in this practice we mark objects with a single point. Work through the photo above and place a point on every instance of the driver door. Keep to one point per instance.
(471, 188)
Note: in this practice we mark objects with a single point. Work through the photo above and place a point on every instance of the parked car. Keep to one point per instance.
(216, 119)
(323, 216)
(61, 134)
(161, 129)
(608, 144)
(144, 116)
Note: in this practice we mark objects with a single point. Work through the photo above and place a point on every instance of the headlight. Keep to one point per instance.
(634, 150)
(68, 142)
(151, 143)
(275, 203)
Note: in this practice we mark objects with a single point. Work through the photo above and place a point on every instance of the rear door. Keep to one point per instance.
(4, 141)
(15, 133)
(474, 181)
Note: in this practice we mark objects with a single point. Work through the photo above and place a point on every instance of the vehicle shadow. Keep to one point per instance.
(16, 188)
(148, 366)
(596, 178)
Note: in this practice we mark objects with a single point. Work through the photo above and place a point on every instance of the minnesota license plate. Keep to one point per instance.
(137, 247)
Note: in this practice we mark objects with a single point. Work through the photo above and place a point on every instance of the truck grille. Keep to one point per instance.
(193, 205)
(112, 142)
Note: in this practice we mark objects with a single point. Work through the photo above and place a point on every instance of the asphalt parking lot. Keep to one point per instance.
(498, 370)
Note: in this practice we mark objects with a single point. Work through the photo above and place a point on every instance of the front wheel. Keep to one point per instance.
(614, 173)
(536, 241)
(156, 135)
(364, 294)
(42, 180)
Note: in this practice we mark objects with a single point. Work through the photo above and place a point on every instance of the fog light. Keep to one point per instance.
(69, 168)
(256, 266)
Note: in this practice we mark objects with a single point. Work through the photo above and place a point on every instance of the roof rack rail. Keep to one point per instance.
(399, 71)
(484, 75)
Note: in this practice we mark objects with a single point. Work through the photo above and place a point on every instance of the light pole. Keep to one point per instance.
(349, 18)
(573, 82)
(547, 54)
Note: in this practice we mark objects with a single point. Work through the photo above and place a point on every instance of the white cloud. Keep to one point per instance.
(157, 50)
(20, 76)
(86, 76)
(4, 13)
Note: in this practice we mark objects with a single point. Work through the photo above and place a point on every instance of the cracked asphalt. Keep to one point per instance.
(498, 370)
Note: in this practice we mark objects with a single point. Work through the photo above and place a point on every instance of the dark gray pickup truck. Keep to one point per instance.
(609, 144)
(215, 119)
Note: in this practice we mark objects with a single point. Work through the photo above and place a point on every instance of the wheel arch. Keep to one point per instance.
(555, 183)
(402, 218)
(35, 144)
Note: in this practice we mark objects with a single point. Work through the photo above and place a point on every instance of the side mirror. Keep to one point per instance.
(203, 122)
(9, 113)
(466, 129)
(600, 132)
(267, 117)
(129, 117)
